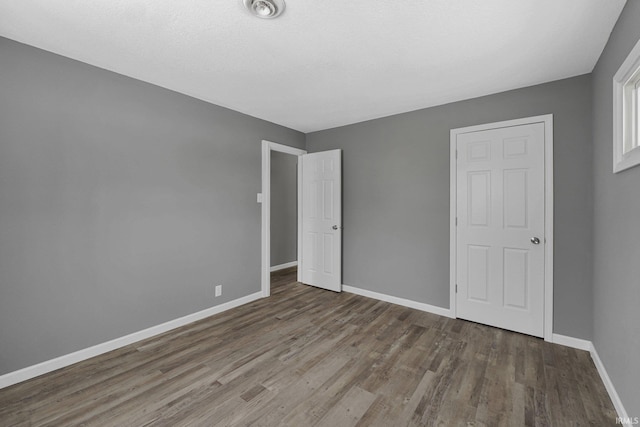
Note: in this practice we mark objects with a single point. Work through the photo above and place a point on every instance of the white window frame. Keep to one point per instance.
(626, 118)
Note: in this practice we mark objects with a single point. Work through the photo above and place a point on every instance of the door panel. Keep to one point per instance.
(479, 198)
(500, 208)
(516, 267)
(478, 272)
(515, 198)
(321, 262)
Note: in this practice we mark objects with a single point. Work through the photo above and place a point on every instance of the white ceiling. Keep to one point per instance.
(323, 63)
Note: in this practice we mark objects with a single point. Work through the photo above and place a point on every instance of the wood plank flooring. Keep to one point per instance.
(307, 357)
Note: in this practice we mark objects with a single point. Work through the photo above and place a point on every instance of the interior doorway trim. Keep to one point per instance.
(265, 269)
(548, 211)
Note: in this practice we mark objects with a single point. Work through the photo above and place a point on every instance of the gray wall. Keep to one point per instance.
(284, 208)
(616, 285)
(121, 204)
(396, 195)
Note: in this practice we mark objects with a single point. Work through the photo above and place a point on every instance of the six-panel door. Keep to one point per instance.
(500, 214)
(322, 220)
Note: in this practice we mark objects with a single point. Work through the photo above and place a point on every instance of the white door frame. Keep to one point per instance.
(548, 211)
(265, 269)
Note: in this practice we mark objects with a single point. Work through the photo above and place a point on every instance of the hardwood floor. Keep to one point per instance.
(307, 357)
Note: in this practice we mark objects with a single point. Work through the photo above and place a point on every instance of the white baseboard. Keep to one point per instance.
(69, 359)
(613, 394)
(572, 342)
(60, 362)
(283, 266)
(581, 344)
(399, 301)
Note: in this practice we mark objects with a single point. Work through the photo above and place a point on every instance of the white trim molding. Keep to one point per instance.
(283, 266)
(547, 119)
(265, 268)
(78, 356)
(613, 394)
(586, 345)
(399, 301)
(578, 343)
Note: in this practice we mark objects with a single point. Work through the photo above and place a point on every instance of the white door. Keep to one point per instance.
(500, 233)
(321, 262)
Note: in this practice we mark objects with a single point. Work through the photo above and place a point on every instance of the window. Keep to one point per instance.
(630, 105)
(626, 113)
(636, 106)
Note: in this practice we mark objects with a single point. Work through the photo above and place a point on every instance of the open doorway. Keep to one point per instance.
(281, 196)
(284, 221)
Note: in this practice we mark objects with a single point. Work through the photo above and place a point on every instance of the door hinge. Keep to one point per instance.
(456, 154)
(456, 288)
(456, 221)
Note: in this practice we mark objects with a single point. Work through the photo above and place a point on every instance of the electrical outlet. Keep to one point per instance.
(218, 290)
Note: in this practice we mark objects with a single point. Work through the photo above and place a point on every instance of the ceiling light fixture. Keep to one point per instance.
(265, 9)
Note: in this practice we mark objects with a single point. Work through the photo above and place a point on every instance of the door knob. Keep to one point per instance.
(535, 240)
(335, 227)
